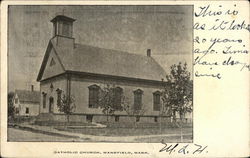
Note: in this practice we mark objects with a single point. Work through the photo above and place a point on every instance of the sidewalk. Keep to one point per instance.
(52, 131)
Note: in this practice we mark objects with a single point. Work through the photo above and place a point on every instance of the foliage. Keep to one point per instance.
(67, 104)
(108, 100)
(177, 95)
(11, 108)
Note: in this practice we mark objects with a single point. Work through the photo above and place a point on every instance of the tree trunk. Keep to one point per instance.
(181, 115)
(181, 120)
(174, 116)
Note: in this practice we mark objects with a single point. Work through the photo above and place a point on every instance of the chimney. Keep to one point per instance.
(149, 52)
(32, 88)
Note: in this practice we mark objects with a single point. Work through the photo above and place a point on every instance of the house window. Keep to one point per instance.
(118, 97)
(138, 99)
(16, 100)
(156, 119)
(93, 96)
(137, 119)
(157, 101)
(27, 110)
(59, 97)
(44, 100)
(116, 118)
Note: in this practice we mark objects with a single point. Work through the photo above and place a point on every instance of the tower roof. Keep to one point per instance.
(62, 17)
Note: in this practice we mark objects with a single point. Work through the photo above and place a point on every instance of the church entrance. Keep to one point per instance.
(51, 104)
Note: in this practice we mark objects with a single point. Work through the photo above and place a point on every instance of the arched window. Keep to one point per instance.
(93, 96)
(138, 99)
(157, 101)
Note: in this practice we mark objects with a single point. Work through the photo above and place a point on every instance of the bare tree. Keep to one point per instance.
(132, 111)
(67, 104)
(111, 99)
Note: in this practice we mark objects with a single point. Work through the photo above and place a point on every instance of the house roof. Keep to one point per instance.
(28, 96)
(91, 59)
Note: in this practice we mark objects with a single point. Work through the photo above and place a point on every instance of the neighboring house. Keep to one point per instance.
(26, 102)
(79, 70)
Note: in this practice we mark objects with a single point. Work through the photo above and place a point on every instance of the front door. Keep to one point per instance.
(51, 104)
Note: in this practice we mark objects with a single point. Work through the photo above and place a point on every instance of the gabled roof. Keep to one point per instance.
(28, 96)
(90, 59)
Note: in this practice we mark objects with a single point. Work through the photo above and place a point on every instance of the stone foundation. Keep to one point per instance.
(86, 118)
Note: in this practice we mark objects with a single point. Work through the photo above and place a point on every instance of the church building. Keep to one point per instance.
(80, 70)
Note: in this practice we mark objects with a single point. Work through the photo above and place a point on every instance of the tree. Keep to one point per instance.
(67, 104)
(11, 108)
(177, 96)
(111, 99)
(130, 110)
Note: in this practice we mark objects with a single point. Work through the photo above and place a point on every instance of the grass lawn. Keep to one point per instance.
(111, 131)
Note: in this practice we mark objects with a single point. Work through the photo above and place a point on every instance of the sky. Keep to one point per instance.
(166, 30)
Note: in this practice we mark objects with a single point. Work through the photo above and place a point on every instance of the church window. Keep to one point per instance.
(157, 101)
(138, 99)
(118, 97)
(93, 96)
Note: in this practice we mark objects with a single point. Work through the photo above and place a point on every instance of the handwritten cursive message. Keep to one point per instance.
(183, 149)
(220, 40)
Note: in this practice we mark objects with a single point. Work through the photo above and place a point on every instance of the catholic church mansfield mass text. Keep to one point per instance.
(79, 70)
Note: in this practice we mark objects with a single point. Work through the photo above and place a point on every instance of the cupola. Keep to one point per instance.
(63, 26)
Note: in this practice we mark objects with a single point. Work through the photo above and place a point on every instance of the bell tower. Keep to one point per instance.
(63, 26)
